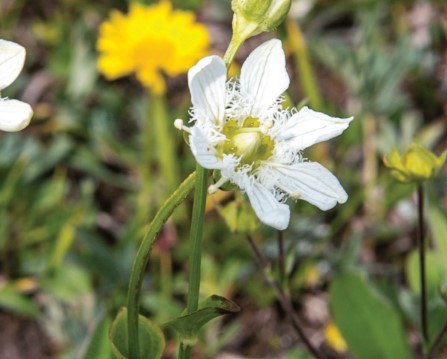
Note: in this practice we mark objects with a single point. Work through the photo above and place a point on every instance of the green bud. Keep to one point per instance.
(276, 14)
(252, 17)
(251, 9)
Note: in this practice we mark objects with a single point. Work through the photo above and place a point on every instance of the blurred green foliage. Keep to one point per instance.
(81, 182)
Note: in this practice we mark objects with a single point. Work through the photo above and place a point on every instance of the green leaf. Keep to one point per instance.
(368, 322)
(12, 300)
(187, 326)
(99, 346)
(438, 226)
(151, 338)
(239, 216)
(433, 272)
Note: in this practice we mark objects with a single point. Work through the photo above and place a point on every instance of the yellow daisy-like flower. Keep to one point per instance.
(150, 41)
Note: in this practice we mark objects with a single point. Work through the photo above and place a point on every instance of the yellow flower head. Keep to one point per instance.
(416, 164)
(150, 41)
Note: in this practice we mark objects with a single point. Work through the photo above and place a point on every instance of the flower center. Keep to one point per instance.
(247, 141)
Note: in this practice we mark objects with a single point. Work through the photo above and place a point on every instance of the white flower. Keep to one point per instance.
(241, 129)
(14, 115)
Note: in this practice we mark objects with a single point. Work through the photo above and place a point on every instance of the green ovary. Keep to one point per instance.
(246, 141)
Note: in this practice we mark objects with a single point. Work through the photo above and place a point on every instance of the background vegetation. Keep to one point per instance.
(79, 184)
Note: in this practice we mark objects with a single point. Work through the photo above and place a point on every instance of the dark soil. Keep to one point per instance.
(23, 338)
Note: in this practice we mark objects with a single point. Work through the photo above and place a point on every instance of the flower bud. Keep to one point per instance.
(417, 164)
(251, 9)
(252, 17)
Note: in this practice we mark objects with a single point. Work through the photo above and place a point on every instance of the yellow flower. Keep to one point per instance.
(150, 41)
(416, 164)
(334, 338)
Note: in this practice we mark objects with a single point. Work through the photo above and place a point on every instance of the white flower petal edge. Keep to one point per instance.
(307, 127)
(207, 85)
(14, 115)
(203, 150)
(311, 182)
(12, 58)
(267, 207)
(264, 77)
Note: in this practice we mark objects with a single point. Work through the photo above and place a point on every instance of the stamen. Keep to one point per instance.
(267, 125)
(214, 187)
(295, 195)
(178, 124)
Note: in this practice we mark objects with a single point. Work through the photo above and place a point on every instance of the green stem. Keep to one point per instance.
(421, 247)
(234, 45)
(196, 234)
(198, 218)
(141, 259)
(281, 259)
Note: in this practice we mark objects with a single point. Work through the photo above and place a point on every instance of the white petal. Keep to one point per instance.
(12, 58)
(207, 85)
(203, 149)
(267, 207)
(308, 127)
(14, 115)
(263, 76)
(313, 183)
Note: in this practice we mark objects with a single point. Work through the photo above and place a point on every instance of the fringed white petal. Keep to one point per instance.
(14, 115)
(264, 77)
(207, 85)
(311, 182)
(203, 149)
(12, 58)
(308, 127)
(267, 207)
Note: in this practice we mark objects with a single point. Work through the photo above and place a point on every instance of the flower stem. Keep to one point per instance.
(198, 218)
(281, 259)
(195, 257)
(283, 298)
(234, 45)
(421, 248)
(140, 262)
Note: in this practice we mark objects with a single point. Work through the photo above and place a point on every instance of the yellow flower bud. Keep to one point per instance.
(417, 164)
(252, 17)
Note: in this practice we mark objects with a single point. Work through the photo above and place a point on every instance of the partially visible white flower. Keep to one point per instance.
(14, 115)
(241, 129)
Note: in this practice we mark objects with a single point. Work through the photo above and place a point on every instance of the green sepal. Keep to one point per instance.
(188, 325)
(151, 337)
